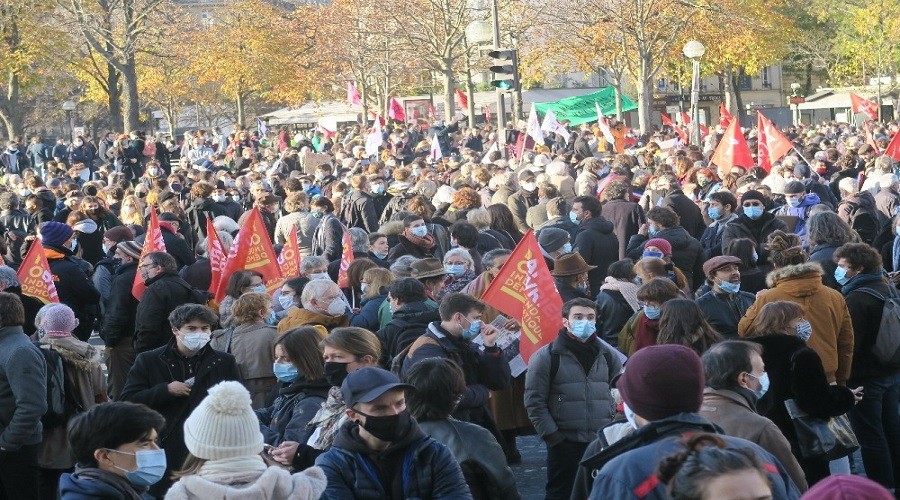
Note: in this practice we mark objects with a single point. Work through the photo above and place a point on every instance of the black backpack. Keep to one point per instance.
(62, 400)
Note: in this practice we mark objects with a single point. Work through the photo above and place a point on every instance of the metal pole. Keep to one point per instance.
(501, 103)
(695, 100)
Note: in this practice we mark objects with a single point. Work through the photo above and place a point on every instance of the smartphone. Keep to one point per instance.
(267, 449)
(190, 381)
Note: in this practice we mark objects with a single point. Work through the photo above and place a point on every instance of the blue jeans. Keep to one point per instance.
(876, 422)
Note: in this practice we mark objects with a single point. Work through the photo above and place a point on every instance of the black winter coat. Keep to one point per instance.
(121, 308)
(328, 237)
(177, 247)
(599, 246)
(74, 288)
(358, 210)
(200, 210)
(613, 311)
(148, 382)
(865, 312)
(824, 255)
(163, 294)
(198, 274)
(686, 252)
(724, 310)
(687, 210)
(627, 217)
(408, 323)
(756, 230)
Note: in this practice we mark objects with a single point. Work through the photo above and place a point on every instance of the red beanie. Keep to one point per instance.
(663, 245)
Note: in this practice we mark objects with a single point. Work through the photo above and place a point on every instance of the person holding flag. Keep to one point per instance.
(578, 368)
(117, 328)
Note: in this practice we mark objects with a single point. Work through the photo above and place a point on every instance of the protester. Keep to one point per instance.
(324, 307)
(825, 233)
(725, 304)
(684, 251)
(571, 276)
(642, 328)
(617, 301)
(682, 322)
(374, 287)
(721, 210)
(410, 318)
(238, 284)
(754, 223)
(165, 291)
(626, 215)
(594, 240)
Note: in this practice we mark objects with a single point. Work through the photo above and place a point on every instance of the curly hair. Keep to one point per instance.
(827, 228)
(465, 198)
(665, 216)
(775, 317)
(860, 255)
(786, 249)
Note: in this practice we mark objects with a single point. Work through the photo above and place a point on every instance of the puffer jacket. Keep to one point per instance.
(572, 405)
(824, 308)
(427, 469)
(724, 310)
(287, 417)
(687, 255)
(596, 241)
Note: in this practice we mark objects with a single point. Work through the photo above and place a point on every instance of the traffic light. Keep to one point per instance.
(505, 69)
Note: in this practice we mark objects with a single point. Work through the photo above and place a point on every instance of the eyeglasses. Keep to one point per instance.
(146, 265)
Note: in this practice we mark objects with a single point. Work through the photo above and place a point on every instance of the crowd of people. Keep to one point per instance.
(706, 310)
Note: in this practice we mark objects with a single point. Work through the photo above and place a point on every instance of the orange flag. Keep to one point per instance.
(893, 147)
(771, 144)
(153, 242)
(252, 250)
(732, 149)
(289, 258)
(525, 291)
(35, 276)
(215, 251)
(346, 259)
(862, 105)
(725, 118)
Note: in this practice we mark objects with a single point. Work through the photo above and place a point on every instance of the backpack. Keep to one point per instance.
(62, 403)
(887, 340)
(863, 222)
(397, 362)
(149, 149)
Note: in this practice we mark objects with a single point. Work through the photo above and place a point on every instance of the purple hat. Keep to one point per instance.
(662, 380)
(55, 233)
(847, 487)
(59, 321)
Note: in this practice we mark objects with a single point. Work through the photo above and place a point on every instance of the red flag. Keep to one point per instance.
(395, 112)
(462, 99)
(327, 133)
(346, 259)
(669, 123)
(153, 242)
(685, 119)
(251, 250)
(289, 258)
(772, 145)
(487, 114)
(525, 291)
(732, 149)
(215, 251)
(725, 117)
(861, 105)
(35, 277)
(431, 111)
(353, 95)
(893, 147)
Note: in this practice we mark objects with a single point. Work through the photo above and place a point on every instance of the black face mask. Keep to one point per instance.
(335, 373)
(388, 428)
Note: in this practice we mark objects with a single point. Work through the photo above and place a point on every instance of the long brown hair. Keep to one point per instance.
(775, 317)
(681, 322)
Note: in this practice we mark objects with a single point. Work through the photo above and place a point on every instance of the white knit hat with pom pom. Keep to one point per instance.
(223, 425)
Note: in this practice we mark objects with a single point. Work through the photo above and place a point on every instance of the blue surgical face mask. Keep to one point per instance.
(272, 320)
(583, 287)
(713, 213)
(794, 202)
(729, 287)
(651, 253)
(804, 330)
(473, 330)
(567, 248)
(151, 467)
(840, 275)
(258, 288)
(420, 231)
(573, 217)
(285, 301)
(582, 329)
(763, 384)
(651, 312)
(755, 256)
(380, 255)
(455, 269)
(377, 188)
(652, 231)
(285, 372)
(753, 212)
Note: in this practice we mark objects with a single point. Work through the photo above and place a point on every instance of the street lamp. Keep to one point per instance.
(796, 99)
(69, 106)
(694, 50)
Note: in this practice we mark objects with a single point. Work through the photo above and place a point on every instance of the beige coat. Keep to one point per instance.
(253, 348)
(81, 362)
(731, 411)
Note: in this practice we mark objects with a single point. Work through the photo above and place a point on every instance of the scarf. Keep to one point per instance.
(626, 288)
(645, 332)
(457, 283)
(329, 419)
(118, 482)
(861, 280)
(585, 352)
(896, 253)
(235, 470)
(426, 243)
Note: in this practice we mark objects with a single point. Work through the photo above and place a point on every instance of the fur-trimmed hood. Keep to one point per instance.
(391, 228)
(805, 278)
(80, 355)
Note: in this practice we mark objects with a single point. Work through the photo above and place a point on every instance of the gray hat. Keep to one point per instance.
(552, 239)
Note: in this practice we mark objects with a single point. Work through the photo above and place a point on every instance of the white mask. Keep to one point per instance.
(195, 341)
(337, 307)
(319, 276)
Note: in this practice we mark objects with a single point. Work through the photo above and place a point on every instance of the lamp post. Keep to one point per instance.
(796, 99)
(694, 50)
(69, 106)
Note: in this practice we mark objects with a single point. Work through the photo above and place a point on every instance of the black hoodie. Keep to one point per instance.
(598, 244)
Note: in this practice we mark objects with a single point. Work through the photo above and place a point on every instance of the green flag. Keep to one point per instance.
(582, 109)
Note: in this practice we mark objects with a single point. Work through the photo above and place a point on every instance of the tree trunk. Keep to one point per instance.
(617, 90)
(364, 96)
(172, 118)
(10, 108)
(470, 90)
(728, 86)
(736, 89)
(131, 115)
(449, 107)
(115, 99)
(239, 105)
(645, 94)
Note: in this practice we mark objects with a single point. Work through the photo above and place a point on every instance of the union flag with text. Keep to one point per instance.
(346, 260)
(35, 277)
(215, 251)
(252, 250)
(153, 242)
(525, 291)
(289, 258)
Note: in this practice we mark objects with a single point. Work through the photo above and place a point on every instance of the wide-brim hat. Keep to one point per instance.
(427, 268)
(571, 264)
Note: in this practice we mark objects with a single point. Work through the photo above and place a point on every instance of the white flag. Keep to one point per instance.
(534, 126)
(436, 153)
(374, 140)
(604, 126)
(485, 160)
(551, 124)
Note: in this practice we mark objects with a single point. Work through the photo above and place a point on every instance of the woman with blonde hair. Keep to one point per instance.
(374, 284)
(653, 267)
(132, 211)
(797, 280)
